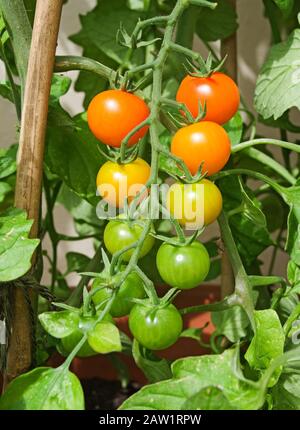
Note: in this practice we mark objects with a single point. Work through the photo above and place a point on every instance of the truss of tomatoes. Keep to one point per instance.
(112, 115)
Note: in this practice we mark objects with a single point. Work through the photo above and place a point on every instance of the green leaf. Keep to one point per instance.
(105, 338)
(267, 343)
(72, 155)
(193, 374)
(59, 324)
(231, 323)
(15, 246)
(209, 398)
(154, 368)
(99, 28)
(218, 23)
(6, 92)
(8, 166)
(286, 6)
(234, 128)
(251, 239)
(76, 262)
(291, 196)
(286, 393)
(44, 388)
(83, 213)
(4, 189)
(251, 207)
(278, 84)
(59, 87)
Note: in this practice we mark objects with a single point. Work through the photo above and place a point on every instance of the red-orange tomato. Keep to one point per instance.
(218, 91)
(205, 142)
(112, 114)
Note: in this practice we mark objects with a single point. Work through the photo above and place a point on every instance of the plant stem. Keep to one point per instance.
(265, 141)
(94, 265)
(243, 290)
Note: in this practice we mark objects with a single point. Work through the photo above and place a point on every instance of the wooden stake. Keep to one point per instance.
(229, 48)
(30, 163)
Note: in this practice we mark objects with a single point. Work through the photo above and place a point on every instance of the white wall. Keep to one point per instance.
(253, 42)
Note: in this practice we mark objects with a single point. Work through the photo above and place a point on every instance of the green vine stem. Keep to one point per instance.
(243, 289)
(264, 141)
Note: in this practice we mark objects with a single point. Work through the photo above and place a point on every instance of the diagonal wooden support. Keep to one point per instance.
(30, 163)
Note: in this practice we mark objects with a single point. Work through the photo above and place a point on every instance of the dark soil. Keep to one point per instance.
(106, 395)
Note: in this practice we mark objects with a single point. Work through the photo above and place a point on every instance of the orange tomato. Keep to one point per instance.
(115, 182)
(203, 141)
(218, 91)
(113, 114)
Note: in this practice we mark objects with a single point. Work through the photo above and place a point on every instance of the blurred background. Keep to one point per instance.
(253, 43)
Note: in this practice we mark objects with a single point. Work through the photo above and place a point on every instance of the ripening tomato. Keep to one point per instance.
(205, 142)
(155, 327)
(218, 91)
(183, 267)
(194, 205)
(112, 114)
(116, 182)
(118, 234)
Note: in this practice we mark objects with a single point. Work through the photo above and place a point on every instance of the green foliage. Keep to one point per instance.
(44, 389)
(15, 245)
(217, 24)
(277, 86)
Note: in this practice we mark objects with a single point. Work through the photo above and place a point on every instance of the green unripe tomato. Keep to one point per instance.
(68, 344)
(118, 234)
(183, 267)
(155, 327)
(131, 288)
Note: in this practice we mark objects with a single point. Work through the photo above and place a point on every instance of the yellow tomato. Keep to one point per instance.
(116, 182)
(194, 205)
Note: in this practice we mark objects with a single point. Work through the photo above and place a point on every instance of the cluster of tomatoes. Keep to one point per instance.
(204, 145)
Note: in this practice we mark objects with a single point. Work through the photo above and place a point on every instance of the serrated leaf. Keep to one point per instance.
(234, 128)
(154, 368)
(8, 166)
(4, 189)
(231, 323)
(193, 374)
(44, 388)
(267, 343)
(15, 245)
(278, 83)
(59, 324)
(218, 23)
(76, 262)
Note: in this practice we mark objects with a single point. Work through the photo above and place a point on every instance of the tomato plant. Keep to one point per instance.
(113, 114)
(203, 142)
(154, 327)
(171, 147)
(183, 267)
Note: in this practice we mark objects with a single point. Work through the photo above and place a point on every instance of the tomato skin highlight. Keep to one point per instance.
(218, 91)
(118, 234)
(112, 114)
(182, 196)
(183, 267)
(155, 328)
(205, 142)
(131, 288)
(125, 180)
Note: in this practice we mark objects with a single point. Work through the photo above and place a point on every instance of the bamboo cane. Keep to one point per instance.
(229, 48)
(30, 164)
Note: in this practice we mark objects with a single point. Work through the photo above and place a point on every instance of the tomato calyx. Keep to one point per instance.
(115, 156)
(203, 69)
(178, 241)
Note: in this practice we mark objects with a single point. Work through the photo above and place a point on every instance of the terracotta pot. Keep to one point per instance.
(100, 366)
